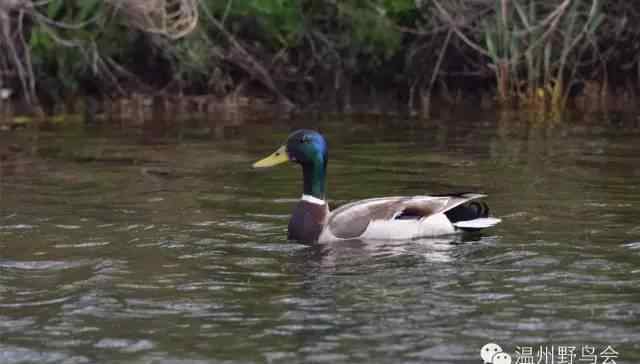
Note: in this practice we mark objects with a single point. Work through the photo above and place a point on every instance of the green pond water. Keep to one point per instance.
(160, 244)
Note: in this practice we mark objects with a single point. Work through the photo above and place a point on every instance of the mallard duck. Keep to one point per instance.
(388, 218)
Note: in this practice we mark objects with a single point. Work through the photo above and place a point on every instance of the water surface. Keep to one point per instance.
(162, 244)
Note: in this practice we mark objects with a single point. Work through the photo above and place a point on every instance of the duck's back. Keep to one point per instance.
(406, 217)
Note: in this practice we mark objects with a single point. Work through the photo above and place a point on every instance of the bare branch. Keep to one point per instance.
(171, 18)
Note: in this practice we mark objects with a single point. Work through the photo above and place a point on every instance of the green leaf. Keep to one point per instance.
(491, 47)
(596, 23)
(397, 6)
(54, 8)
(88, 9)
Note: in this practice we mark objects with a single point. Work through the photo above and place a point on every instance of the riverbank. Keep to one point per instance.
(526, 54)
(139, 109)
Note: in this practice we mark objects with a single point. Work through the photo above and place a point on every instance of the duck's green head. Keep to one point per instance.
(307, 148)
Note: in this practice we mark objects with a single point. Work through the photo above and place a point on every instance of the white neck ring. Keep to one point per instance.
(313, 200)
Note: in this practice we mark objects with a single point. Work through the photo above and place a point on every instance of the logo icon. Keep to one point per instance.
(492, 354)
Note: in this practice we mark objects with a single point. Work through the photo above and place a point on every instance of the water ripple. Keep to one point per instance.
(42, 264)
(19, 355)
(124, 345)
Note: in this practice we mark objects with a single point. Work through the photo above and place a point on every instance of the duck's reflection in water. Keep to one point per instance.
(357, 252)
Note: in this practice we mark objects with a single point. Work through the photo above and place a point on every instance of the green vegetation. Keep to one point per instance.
(527, 53)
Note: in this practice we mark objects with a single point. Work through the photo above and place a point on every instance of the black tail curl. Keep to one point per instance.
(468, 211)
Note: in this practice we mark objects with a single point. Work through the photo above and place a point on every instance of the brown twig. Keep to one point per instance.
(242, 58)
(436, 70)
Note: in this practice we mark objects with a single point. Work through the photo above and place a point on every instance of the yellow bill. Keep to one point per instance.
(277, 157)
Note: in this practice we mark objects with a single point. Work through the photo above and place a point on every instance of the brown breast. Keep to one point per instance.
(307, 221)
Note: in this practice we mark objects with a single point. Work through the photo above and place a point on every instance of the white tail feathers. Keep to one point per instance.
(480, 223)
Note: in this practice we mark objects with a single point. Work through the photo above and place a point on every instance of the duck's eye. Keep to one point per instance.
(305, 139)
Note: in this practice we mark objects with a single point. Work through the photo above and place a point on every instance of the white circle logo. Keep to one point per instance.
(501, 358)
(492, 354)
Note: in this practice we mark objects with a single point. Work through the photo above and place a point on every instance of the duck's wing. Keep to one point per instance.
(351, 220)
